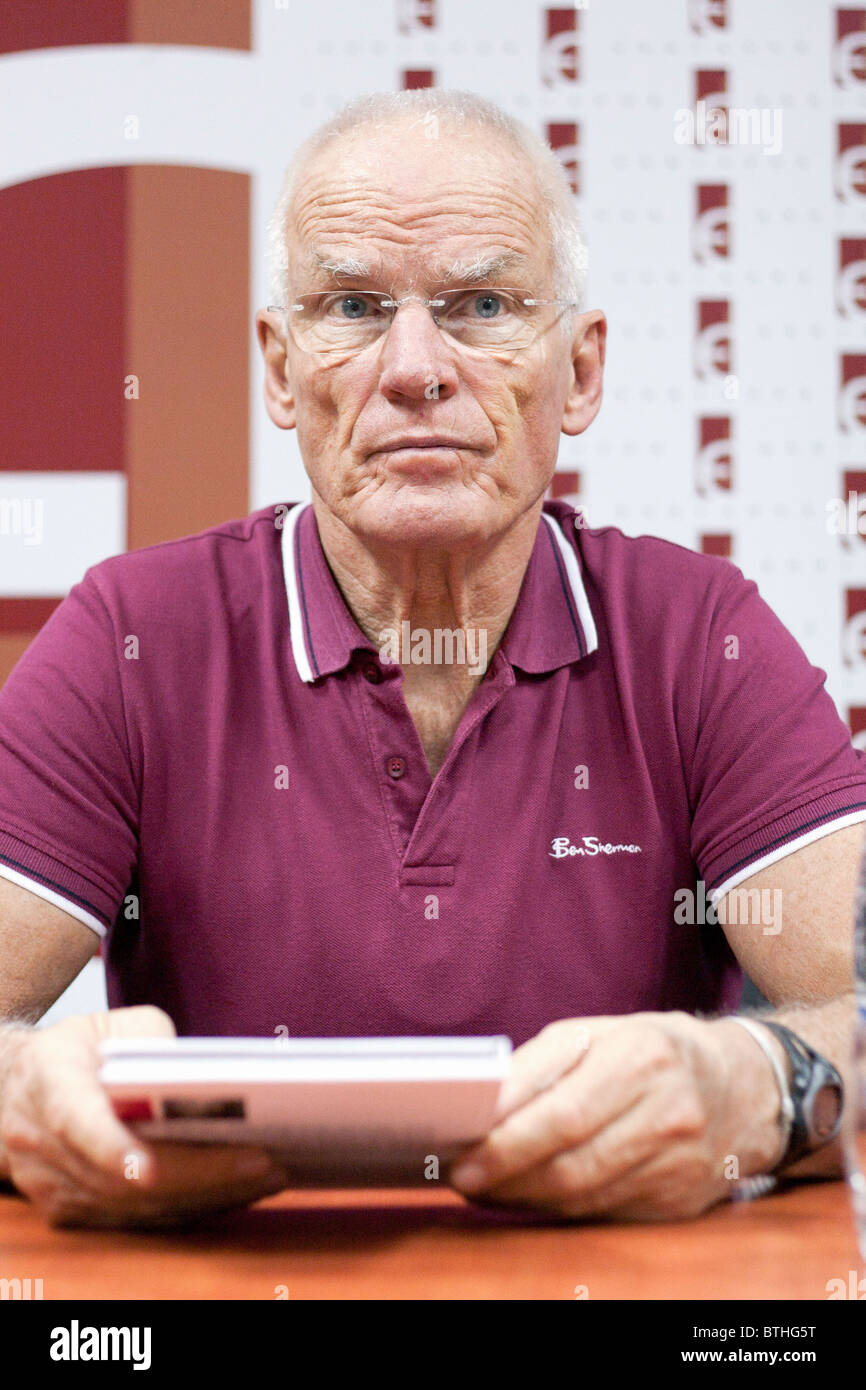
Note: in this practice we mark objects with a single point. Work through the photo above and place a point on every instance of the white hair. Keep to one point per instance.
(381, 109)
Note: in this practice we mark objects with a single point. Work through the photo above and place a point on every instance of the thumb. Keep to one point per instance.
(139, 1021)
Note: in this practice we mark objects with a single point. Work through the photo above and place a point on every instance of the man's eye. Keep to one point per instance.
(353, 307)
(487, 306)
(348, 307)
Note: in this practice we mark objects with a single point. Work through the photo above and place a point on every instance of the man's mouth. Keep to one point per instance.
(422, 441)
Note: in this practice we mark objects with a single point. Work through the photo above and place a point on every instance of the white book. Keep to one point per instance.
(348, 1112)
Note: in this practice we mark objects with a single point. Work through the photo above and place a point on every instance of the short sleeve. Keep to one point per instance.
(68, 796)
(773, 767)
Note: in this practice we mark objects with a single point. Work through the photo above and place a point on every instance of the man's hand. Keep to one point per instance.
(646, 1117)
(69, 1154)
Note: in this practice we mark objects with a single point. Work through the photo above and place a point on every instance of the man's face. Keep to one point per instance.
(414, 211)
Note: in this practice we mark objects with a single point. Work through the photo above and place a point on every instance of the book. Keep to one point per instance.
(345, 1112)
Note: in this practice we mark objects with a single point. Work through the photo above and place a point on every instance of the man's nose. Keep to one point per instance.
(417, 362)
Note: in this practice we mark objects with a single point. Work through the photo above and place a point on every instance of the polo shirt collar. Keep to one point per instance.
(551, 625)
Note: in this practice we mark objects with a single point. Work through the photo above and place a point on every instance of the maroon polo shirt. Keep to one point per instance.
(203, 758)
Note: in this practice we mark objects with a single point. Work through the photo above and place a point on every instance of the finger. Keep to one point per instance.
(196, 1169)
(187, 1181)
(64, 1125)
(75, 1109)
(613, 1201)
(138, 1021)
(54, 1196)
(50, 1160)
(151, 1212)
(78, 1112)
(57, 1113)
(234, 1192)
(94, 1132)
(541, 1061)
(188, 1178)
(570, 1112)
(672, 1185)
(587, 1173)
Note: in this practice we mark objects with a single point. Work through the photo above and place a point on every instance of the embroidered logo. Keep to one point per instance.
(591, 845)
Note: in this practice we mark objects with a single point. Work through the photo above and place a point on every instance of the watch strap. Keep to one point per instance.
(809, 1073)
(786, 1114)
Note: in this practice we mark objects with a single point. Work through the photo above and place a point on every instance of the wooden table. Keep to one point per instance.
(432, 1245)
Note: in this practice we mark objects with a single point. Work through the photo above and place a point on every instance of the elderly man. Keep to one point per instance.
(237, 759)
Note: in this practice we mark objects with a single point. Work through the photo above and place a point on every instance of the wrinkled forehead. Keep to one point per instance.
(376, 205)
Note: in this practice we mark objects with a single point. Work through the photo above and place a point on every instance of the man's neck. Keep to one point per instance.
(386, 587)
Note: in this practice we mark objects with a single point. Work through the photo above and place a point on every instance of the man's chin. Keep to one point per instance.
(423, 515)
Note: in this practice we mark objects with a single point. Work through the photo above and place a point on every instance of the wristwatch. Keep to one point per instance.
(816, 1095)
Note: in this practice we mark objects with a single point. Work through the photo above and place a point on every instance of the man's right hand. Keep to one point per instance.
(69, 1153)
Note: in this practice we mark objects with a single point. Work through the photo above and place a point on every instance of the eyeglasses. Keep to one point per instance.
(486, 318)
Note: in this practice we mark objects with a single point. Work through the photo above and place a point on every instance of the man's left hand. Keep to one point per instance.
(646, 1117)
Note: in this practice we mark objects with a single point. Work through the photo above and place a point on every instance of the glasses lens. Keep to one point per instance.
(338, 321)
(486, 319)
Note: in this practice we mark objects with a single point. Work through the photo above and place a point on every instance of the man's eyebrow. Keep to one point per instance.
(337, 267)
(479, 267)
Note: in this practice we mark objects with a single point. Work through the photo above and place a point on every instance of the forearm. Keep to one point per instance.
(828, 1028)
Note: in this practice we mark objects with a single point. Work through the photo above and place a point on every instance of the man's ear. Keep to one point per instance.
(279, 398)
(583, 401)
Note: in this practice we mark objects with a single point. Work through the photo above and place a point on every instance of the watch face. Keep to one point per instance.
(826, 1108)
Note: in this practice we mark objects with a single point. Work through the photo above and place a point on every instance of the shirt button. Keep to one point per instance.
(373, 674)
(396, 768)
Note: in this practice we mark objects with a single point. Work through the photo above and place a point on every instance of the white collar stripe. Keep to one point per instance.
(578, 593)
(296, 617)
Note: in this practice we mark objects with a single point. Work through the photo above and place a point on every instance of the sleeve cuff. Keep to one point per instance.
(779, 840)
(53, 881)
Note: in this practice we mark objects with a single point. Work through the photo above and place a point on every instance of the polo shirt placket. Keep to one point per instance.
(428, 819)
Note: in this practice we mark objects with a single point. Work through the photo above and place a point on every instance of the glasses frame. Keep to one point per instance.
(395, 303)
